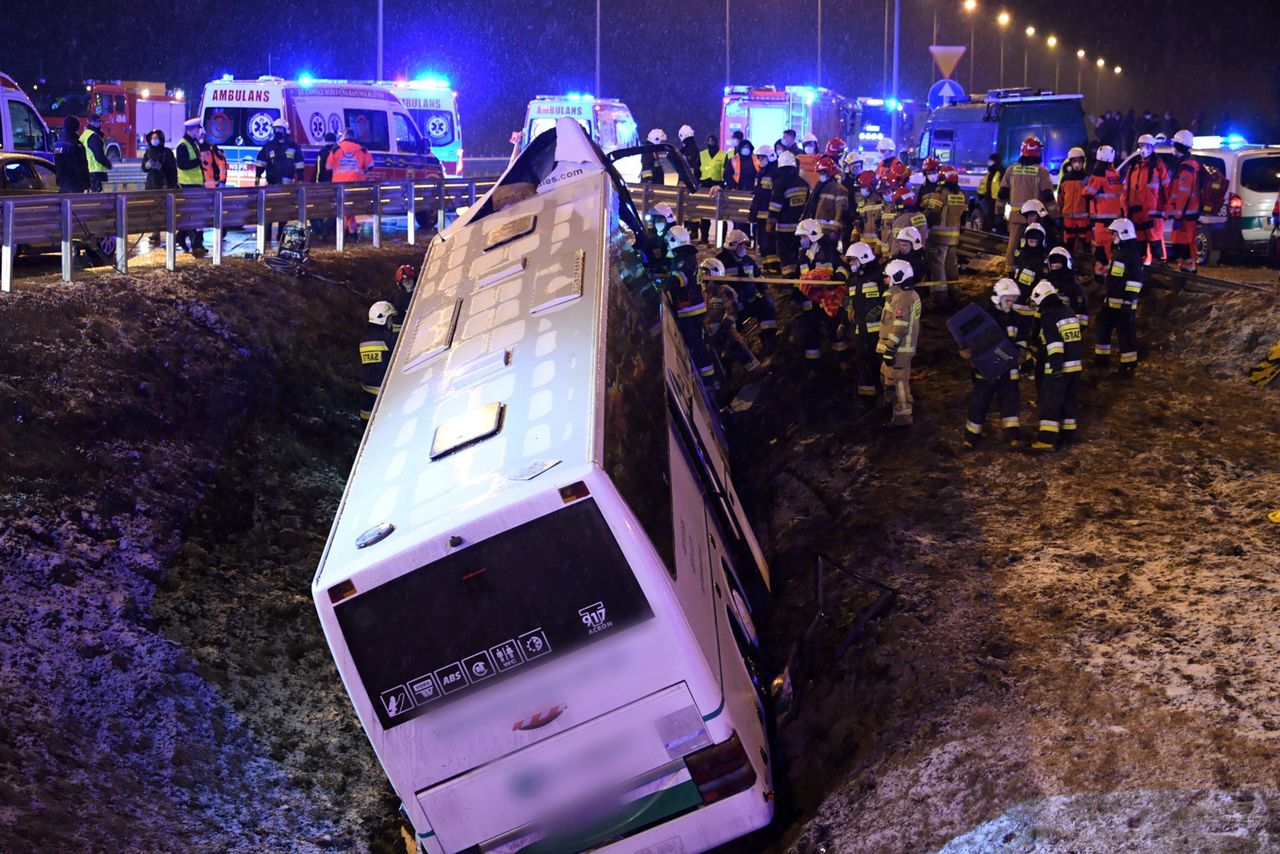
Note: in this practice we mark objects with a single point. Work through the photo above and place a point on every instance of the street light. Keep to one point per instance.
(1003, 20)
(1101, 63)
(1026, 49)
(1080, 71)
(1052, 42)
(970, 6)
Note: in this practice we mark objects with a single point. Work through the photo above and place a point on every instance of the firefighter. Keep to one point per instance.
(790, 193)
(820, 293)
(280, 161)
(1059, 272)
(760, 199)
(350, 162)
(96, 153)
(865, 303)
(1103, 191)
(932, 170)
(322, 227)
(71, 165)
(1145, 187)
(1026, 179)
(1063, 355)
(686, 294)
(829, 205)
(711, 169)
(1028, 268)
(910, 248)
(867, 209)
(754, 299)
(899, 332)
(808, 158)
(989, 192)
(1119, 312)
(944, 208)
(190, 175)
(1034, 212)
(787, 142)
(406, 281)
(689, 150)
(375, 354)
(1072, 203)
(1004, 387)
(903, 208)
(835, 149)
(651, 171)
(888, 158)
(721, 319)
(1182, 203)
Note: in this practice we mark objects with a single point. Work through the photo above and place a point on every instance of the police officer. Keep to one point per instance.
(1005, 386)
(190, 175)
(281, 161)
(790, 193)
(711, 171)
(375, 354)
(1124, 279)
(899, 332)
(864, 306)
(99, 164)
(1063, 355)
(754, 299)
(406, 281)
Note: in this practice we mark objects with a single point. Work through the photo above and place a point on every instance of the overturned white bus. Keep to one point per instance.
(538, 585)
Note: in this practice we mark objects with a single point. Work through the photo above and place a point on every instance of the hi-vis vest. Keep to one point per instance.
(95, 165)
(712, 168)
(193, 177)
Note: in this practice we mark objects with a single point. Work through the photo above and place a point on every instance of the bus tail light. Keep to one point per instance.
(1235, 205)
(721, 770)
(573, 492)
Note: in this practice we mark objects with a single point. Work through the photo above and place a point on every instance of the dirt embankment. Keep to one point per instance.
(132, 716)
(1083, 654)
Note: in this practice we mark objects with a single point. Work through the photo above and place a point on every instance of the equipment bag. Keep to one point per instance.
(977, 331)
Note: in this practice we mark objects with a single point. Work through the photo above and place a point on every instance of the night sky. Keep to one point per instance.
(666, 58)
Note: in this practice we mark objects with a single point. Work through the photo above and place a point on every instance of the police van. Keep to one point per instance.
(539, 585)
(237, 116)
(21, 128)
(434, 107)
(606, 120)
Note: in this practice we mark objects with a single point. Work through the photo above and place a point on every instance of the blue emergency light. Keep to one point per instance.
(427, 80)
(305, 79)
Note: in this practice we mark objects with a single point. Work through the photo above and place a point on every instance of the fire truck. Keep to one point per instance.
(130, 109)
(762, 113)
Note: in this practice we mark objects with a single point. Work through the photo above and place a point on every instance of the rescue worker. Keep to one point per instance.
(651, 170)
(1059, 272)
(866, 302)
(190, 176)
(322, 227)
(70, 162)
(790, 194)
(901, 199)
(1145, 187)
(281, 161)
(835, 149)
(1103, 190)
(932, 170)
(689, 150)
(721, 319)
(742, 172)
(375, 354)
(820, 294)
(1124, 279)
(989, 193)
(753, 298)
(95, 153)
(1182, 203)
(944, 208)
(760, 199)
(910, 248)
(1072, 203)
(867, 210)
(1026, 179)
(1003, 388)
(828, 203)
(888, 157)
(1063, 355)
(350, 162)
(905, 212)
(808, 158)
(711, 170)
(406, 281)
(899, 332)
(787, 142)
(1028, 268)
(1034, 212)
(686, 295)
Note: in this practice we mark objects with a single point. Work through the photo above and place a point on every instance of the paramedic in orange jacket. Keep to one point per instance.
(1182, 203)
(1072, 203)
(1103, 189)
(350, 162)
(1144, 194)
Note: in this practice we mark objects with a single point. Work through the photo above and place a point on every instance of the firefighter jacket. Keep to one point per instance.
(683, 285)
(1028, 269)
(829, 205)
(899, 322)
(281, 160)
(763, 192)
(1064, 280)
(944, 208)
(689, 151)
(1125, 275)
(865, 214)
(350, 162)
(214, 165)
(808, 165)
(790, 193)
(735, 266)
(1183, 198)
(1024, 181)
(375, 355)
(904, 218)
(651, 171)
(742, 172)
(1072, 203)
(187, 156)
(1061, 347)
(1103, 191)
(711, 167)
(866, 299)
(1144, 191)
(816, 257)
(96, 153)
(883, 170)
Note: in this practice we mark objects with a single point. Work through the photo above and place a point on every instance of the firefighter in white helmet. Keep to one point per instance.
(753, 298)
(888, 156)
(651, 170)
(375, 354)
(1004, 387)
(865, 303)
(1145, 185)
(899, 333)
(1124, 279)
(721, 319)
(1063, 354)
(686, 296)
(1072, 203)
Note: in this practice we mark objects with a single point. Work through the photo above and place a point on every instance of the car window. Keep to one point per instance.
(1216, 162)
(18, 175)
(1261, 174)
(370, 127)
(48, 178)
(28, 131)
(407, 139)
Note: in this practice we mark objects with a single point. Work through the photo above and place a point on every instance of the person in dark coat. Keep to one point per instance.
(321, 227)
(70, 163)
(158, 163)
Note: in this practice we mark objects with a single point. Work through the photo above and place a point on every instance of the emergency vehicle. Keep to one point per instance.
(538, 586)
(434, 108)
(21, 128)
(606, 120)
(873, 121)
(762, 113)
(237, 116)
(130, 109)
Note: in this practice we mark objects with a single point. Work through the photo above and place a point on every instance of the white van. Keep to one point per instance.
(21, 128)
(606, 120)
(237, 116)
(434, 107)
(537, 589)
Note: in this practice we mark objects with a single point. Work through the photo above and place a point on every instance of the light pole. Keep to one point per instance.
(1003, 20)
(970, 6)
(380, 39)
(1052, 42)
(596, 91)
(726, 46)
(897, 33)
(1097, 87)
(819, 81)
(1080, 71)
(1026, 50)
(932, 66)
(884, 74)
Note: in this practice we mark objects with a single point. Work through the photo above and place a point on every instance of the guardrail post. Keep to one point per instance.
(171, 231)
(681, 196)
(340, 222)
(122, 233)
(644, 201)
(715, 223)
(411, 208)
(302, 205)
(68, 247)
(438, 189)
(8, 250)
(377, 215)
(218, 230)
(262, 221)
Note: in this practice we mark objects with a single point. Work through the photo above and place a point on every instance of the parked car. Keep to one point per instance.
(27, 175)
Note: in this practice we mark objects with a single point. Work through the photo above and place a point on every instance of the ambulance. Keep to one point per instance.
(606, 120)
(434, 108)
(21, 128)
(238, 114)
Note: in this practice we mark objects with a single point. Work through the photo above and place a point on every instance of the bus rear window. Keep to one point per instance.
(489, 612)
(239, 125)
